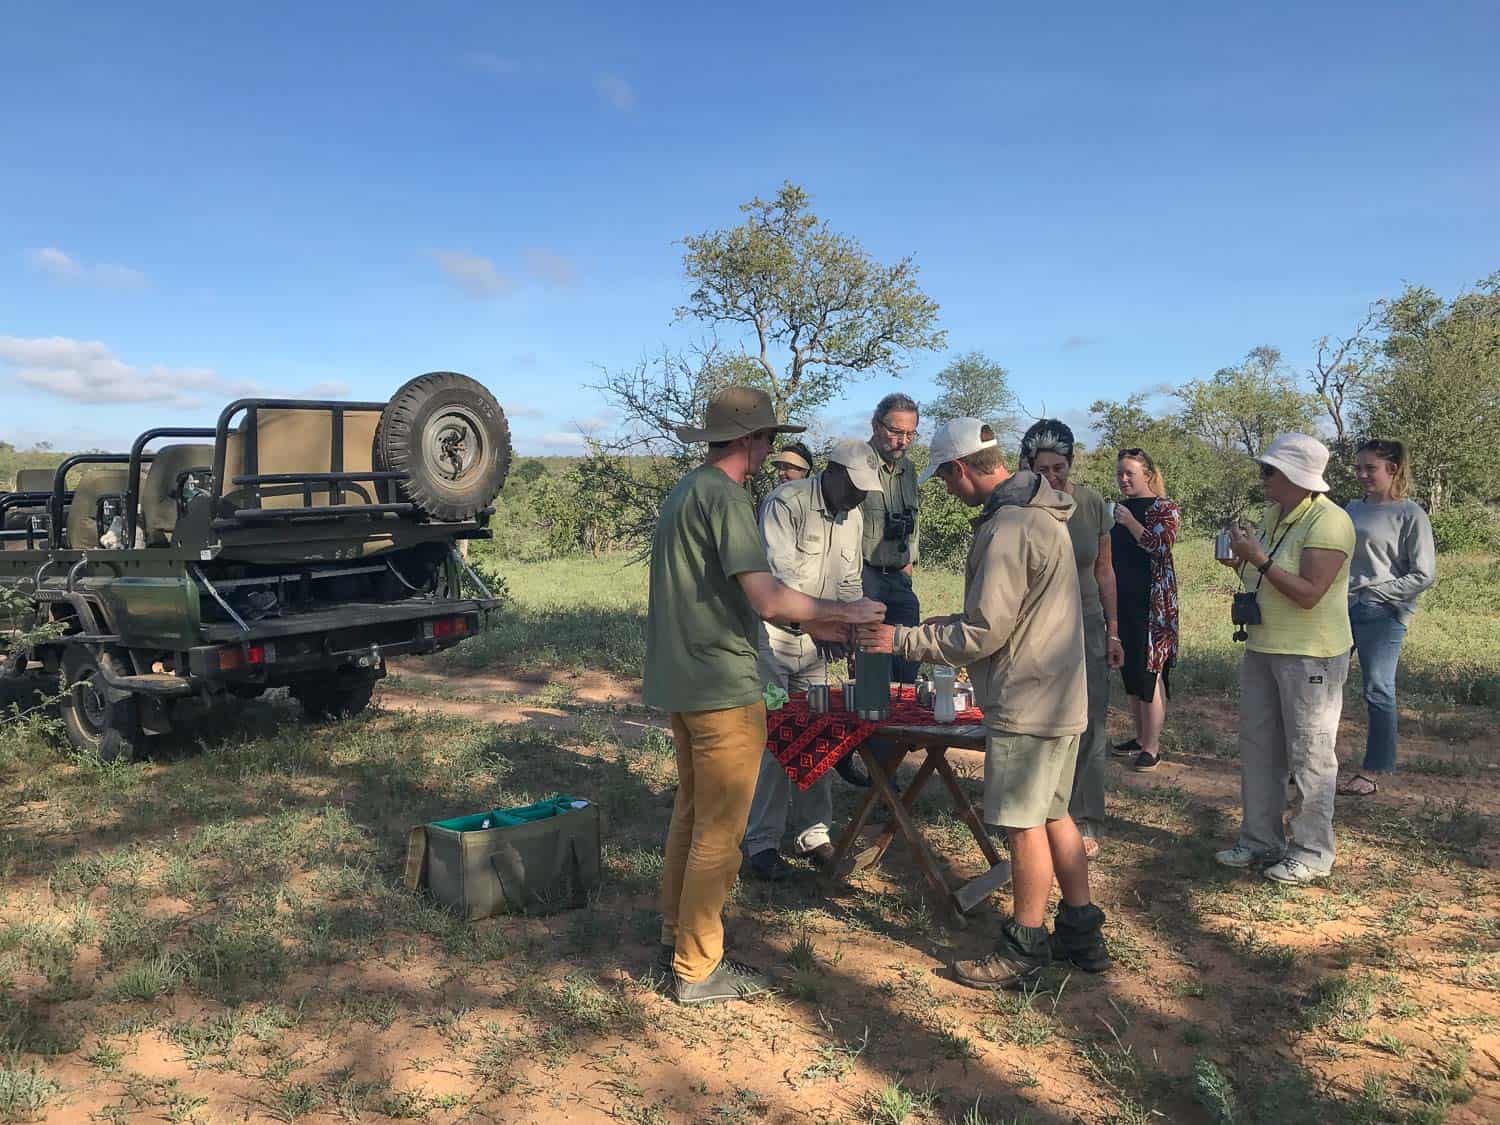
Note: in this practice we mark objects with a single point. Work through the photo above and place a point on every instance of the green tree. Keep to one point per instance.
(1239, 410)
(1438, 390)
(792, 307)
(974, 386)
(813, 308)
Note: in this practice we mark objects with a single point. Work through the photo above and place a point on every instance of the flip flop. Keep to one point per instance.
(1357, 786)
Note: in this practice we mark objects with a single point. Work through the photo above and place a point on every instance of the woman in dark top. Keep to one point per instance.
(1141, 541)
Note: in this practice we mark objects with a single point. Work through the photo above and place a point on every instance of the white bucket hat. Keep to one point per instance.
(860, 460)
(1301, 460)
(955, 440)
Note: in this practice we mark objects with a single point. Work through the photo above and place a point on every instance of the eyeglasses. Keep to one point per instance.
(895, 433)
(1132, 452)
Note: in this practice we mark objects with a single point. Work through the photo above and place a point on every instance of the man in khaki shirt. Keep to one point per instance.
(1021, 637)
(813, 533)
(890, 517)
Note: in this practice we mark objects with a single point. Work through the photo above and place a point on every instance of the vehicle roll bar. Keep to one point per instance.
(133, 490)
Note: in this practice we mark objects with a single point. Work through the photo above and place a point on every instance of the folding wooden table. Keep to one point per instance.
(892, 742)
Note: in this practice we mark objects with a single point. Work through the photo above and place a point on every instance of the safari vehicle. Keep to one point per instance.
(297, 543)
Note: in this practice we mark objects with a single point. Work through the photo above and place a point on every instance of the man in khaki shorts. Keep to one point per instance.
(710, 588)
(814, 536)
(1021, 637)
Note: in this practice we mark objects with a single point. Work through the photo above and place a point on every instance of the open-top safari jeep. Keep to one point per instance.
(297, 542)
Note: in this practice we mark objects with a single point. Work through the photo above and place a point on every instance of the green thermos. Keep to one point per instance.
(872, 685)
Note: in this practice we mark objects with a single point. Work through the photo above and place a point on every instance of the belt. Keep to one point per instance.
(887, 569)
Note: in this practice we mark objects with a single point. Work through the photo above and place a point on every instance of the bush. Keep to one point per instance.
(1468, 528)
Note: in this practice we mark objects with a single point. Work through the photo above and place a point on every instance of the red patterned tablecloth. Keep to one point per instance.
(809, 745)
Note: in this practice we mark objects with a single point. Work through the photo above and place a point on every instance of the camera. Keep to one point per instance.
(899, 525)
(1244, 610)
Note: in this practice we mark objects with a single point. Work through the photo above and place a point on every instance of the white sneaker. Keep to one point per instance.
(1293, 871)
(1238, 856)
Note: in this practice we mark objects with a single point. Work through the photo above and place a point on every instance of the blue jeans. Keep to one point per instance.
(901, 608)
(1378, 634)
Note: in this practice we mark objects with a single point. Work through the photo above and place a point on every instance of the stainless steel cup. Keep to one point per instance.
(1221, 546)
(818, 699)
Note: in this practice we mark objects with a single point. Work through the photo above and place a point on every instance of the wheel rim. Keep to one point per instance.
(89, 704)
(453, 444)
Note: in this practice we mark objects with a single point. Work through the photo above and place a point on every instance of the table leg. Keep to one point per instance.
(908, 829)
(872, 855)
(847, 841)
(965, 807)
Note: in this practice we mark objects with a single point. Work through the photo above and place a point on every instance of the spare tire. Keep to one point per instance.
(450, 435)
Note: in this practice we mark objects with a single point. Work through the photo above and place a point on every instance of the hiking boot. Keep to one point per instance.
(821, 856)
(1293, 872)
(1125, 749)
(1241, 856)
(769, 867)
(730, 980)
(1078, 937)
(1021, 956)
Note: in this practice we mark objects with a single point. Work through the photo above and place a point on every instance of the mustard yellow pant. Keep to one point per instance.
(718, 760)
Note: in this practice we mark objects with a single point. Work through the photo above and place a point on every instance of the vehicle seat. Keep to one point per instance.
(34, 480)
(301, 441)
(159, 491)
(83, 527)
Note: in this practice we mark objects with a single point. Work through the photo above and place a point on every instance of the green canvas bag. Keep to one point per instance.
(531, 860)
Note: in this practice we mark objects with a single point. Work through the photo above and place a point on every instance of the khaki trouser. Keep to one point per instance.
(718, 756)
(1087, 805)
(793, 661)
(1289, 720)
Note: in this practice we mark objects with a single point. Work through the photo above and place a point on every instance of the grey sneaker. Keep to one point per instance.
(1241, 856)
(729, 981)
(1294, 872)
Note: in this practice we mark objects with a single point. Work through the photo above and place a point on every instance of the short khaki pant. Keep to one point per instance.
(1027, 780)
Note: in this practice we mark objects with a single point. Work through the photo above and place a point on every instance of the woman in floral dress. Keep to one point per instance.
(1146, 524)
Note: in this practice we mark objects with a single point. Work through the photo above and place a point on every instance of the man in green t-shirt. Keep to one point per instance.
(710, 588)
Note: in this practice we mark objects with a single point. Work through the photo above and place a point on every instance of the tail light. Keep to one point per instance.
(445, 628)
(234, 657)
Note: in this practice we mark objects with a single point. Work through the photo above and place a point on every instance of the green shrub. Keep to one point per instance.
(1466, 527)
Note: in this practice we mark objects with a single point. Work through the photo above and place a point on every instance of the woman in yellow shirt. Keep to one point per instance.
(1296, 661)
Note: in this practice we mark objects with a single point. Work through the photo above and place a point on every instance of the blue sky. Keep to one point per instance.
(198, 202)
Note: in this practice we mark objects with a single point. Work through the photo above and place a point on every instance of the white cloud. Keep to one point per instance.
(616, 92)
(564, 440)
(520, 410)
(87, 371)
(550, 267)
(476, 276)
(1073, 343)
(62, 266)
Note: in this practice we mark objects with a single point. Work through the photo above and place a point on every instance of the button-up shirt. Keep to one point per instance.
(898, 493)
(812, 550)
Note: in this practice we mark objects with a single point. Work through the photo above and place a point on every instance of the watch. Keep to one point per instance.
(1265, 566)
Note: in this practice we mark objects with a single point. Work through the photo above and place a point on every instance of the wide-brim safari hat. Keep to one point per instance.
(735, 412)
(1301, 460)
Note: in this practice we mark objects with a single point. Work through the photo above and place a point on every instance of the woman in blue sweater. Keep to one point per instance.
(1394, 560)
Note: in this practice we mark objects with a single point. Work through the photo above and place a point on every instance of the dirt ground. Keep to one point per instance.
(1372, 997)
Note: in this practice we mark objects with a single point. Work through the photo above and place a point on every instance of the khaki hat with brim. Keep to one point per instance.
(860, 460)
(791, 459)
(735, 412)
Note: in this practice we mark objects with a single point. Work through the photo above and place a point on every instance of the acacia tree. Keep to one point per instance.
(790, 306)
(974, 386)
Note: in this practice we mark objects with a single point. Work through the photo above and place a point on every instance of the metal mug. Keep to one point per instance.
(819, 700)
(1221, 547)
(963, 697)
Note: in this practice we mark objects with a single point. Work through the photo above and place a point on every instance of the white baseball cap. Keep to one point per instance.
(954, 440)
(860, 460)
